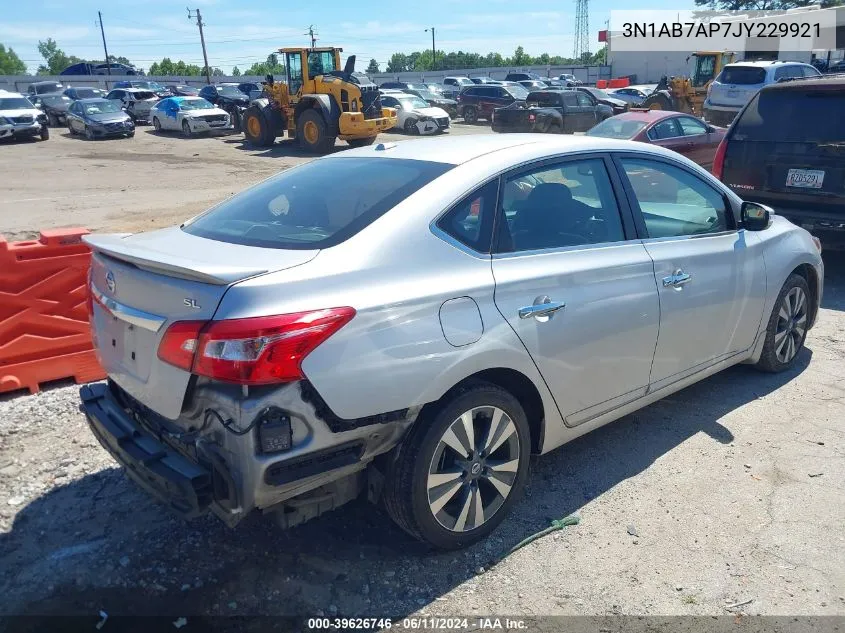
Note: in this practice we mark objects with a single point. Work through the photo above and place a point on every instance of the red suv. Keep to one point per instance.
(478, 102)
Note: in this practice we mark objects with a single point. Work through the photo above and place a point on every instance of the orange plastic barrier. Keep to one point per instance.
(601, 83)
(44, 331)
(622, 82)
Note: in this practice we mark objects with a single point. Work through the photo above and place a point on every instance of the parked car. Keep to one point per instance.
(570, 80)
(631, 96)
(618, 105)
(436, 89)
(20, 119)
(257, 361)
(86, 68)
(54, 105)
(225, 94)
(533, 84)
(136, 101)
(181, 90)
(836, 67)
(529, 76)
(478, 102)
(549, 111)
(737, 83)
(251, 89)
(403, 85)
(190, 115)
(435, 100)
(682, 133)
(786, 149)
(157, 89)
(414, 115)
(452, 86)
(483, 80)
(43, 87)
(84, 92)
(99, 118)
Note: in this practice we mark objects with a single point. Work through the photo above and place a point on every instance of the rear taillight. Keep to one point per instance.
(532, 117)
(719, 158)
(253, 351)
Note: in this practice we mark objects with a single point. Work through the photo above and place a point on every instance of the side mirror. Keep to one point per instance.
(755, 216)
(710, 129)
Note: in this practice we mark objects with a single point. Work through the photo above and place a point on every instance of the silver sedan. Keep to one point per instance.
(411, 321)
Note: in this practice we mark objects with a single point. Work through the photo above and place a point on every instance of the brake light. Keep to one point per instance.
(252, 351)
(719, 158)
(531, 117)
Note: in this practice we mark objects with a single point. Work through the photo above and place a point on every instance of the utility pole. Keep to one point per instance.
(433, 52)
(313, 36)
(103, 33)
(202, 39)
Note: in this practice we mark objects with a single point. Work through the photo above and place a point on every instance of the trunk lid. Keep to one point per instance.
(787, 150)
(143, 283)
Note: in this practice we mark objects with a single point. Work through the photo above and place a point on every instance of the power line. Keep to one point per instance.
(202, 39)
(312, 35)
(105, 49)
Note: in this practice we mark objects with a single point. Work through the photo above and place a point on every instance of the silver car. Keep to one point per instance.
(413, 320)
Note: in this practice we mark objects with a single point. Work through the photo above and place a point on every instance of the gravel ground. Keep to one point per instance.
(727, 493)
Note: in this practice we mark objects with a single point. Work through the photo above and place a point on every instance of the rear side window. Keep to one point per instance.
(471, 220)
(317, 205)
(793, 116)
(743, 75)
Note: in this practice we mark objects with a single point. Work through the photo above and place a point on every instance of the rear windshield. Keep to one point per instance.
(87, 93)
(517, 91)
(793, 116)
(316, 205)
(614, 127)
(742, 75)
(142, 94)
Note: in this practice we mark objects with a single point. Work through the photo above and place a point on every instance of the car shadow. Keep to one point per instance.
(281, 148)
(834, 280)
(104, 545)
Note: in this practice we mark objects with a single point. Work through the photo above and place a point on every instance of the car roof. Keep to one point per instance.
(765, 63)
(823, 82)
(456, 150)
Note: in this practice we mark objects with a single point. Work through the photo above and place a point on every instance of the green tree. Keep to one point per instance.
(373, 67)
(764, 5)
(398, 63)
(236, 72)
(10, 63)
(55, 57)
(269, 67)
(521, 58)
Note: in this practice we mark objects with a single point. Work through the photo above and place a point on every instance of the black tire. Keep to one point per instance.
(71, 130)
(325, 137)
(130, 135)
(470, 114)
(554, 128)
(411, 126)
(406, 495)
(657, 101)
(45, 133)
(772, 349)
(361, 142)
(89, 134)
(235, 119)
(256, 128)
(157, 125)
(186, 130)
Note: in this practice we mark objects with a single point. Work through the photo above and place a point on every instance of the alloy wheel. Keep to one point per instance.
(791, 325)
(473, 469)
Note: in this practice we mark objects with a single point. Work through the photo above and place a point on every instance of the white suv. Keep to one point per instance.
(737, 83)
(19, 118)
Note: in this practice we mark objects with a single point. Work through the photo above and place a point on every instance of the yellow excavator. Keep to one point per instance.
(318, 103)
(687, 94)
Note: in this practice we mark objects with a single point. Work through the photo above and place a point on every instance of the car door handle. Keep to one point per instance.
(677, 280)
(543, 309)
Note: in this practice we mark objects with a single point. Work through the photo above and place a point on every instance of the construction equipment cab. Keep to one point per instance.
(687, 94)
(318, 104)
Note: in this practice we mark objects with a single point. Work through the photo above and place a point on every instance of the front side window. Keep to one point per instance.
(568, 204)
(471, 220)
(584, 100)
(691, 127)
(303, 207)
(667, 128)
(673, 202)
(294, 69)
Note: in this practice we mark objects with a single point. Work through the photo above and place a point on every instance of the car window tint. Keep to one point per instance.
(691, 127)
(667, 128)
(570, 99)
(673, 202)
(583, 100)
(303, 208)
(798, 114)
(471, 220)
(782, 72)
(570, 204)
(809, 71)
(743, 75)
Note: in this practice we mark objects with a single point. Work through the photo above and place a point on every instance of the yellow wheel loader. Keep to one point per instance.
(687, 94)
(319, 103)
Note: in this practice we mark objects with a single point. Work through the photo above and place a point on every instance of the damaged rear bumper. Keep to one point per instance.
(181, 484)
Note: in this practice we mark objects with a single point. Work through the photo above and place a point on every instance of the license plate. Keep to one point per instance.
(805, 178)
(733, 94)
